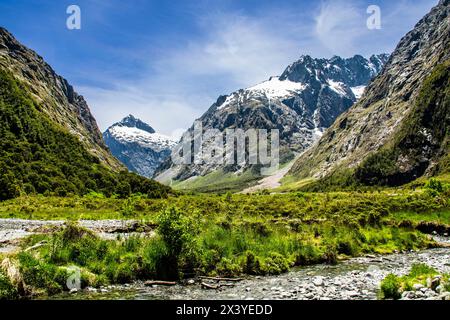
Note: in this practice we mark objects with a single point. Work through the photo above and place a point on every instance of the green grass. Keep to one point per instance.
(7, 289)
(211, 207)
(289, 184)
(185, 246)
(218, 182)
(441, 216)
(226, 235)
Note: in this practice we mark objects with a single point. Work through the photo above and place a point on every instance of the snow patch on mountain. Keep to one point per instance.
(274, 88)
(156, 141)
(358, 91)
(337, 87)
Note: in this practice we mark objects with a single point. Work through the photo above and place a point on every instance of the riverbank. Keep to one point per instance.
(353, 279)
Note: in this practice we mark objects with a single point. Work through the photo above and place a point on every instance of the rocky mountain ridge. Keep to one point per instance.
(300, 103)
(408, 95)
(56, 96)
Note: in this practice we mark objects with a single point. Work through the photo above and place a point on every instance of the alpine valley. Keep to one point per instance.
(301, 104)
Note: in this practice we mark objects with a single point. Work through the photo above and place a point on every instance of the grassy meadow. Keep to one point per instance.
(218, 235)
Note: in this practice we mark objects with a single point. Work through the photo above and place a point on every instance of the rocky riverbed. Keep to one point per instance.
(354, 279)
(12, 230)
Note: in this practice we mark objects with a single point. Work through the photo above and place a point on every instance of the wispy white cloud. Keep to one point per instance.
(242, 48)
(339, 25)
(234, 51)
(180, 80)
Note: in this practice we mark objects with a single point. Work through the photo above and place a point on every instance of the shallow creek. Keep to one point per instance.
(354, 279)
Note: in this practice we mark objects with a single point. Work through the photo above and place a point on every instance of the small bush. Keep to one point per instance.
(390, 287)
(275, 264)
(434, 187)
(421, 269)
(227, 268)
(178, 234)
(38, 274)
(7, 290)
(252, 265)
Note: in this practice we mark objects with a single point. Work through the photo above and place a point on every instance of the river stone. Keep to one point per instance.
(318, 281)
(417, 286)
(352, 293)
(408, 295)
(433, 283)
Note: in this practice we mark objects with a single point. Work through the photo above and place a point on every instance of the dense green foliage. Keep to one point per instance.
(306, 207)
(177, 233)
(39, 156)
(221, 249)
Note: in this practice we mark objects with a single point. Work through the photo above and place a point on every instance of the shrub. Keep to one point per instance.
(434, 187)
(178, 234)
(38, 273)
(154, 255)
(7, 290)
(252, 265)
(390, 287)
(228, 268)
(275, 264)
(421, 269)
(128, 208)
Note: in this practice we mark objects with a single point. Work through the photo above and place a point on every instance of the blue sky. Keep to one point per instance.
(168, 61)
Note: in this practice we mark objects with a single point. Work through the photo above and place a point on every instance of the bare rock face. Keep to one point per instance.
(388, 107)
(301, 104)
(56, 96)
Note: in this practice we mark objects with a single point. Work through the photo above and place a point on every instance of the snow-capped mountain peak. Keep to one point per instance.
(274, 88)
(154, 140)
(301, 103)
(131, 122)
(137, 145)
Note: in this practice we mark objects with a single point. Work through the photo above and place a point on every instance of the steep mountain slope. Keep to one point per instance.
(41, 155)
(300, 103)
(56, 97)
(137, 145)
(399, 129)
